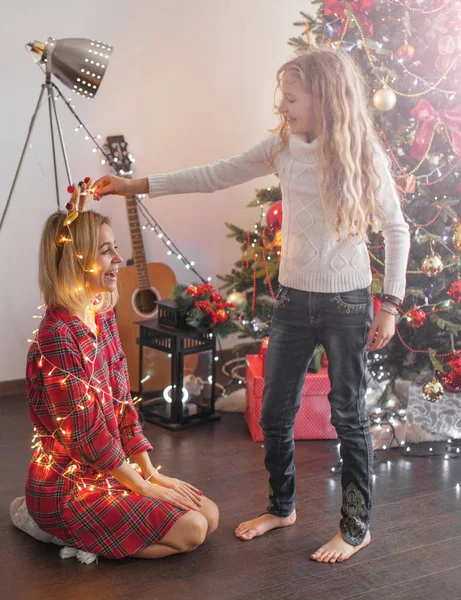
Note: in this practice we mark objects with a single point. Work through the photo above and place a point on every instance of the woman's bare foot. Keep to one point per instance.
(250, 529)
(338, 550)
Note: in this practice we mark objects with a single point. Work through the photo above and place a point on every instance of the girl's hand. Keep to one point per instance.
(118, 186)
(180, 487)
(381, 331)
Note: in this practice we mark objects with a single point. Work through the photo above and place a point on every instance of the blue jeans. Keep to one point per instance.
(340, 322)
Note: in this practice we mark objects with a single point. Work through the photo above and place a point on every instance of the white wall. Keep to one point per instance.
(189, 82)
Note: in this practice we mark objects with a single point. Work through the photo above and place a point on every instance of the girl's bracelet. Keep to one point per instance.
(390, 309)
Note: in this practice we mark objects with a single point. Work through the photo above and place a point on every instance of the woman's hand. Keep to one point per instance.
(119, 186)
(180, 487)
(381, 331)
(175, 492)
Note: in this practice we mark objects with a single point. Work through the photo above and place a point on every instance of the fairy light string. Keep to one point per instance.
(91, 387)
(385, 83)
(164, 238)
(424, 11)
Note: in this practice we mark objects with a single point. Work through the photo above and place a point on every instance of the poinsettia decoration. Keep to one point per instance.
(205, 308)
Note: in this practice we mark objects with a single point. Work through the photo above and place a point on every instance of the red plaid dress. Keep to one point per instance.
(77, 386)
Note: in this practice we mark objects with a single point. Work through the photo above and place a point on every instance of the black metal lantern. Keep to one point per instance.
(188, 396)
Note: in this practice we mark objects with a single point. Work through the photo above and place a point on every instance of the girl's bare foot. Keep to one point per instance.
(250, 529)
(338, 550)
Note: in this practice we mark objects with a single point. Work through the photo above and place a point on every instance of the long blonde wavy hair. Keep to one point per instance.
(65, 254)
(349, 183)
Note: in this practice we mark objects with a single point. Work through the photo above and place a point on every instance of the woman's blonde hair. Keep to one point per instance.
(347, 138)
(66, 254)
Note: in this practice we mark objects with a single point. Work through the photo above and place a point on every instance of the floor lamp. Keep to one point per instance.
(80, 64)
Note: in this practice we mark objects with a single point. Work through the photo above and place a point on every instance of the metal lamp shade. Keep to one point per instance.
(78, 62)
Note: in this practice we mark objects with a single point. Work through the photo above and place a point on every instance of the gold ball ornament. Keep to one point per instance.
(432, 390)
(432, 265)
(277, 241)
(238, 299)
(376, 286)
(384, 99)
(457, 237)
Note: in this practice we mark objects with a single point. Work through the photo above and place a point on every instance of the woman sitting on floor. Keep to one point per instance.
(80, 489)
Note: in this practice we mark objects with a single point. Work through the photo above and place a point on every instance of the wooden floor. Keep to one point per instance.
(415, 551)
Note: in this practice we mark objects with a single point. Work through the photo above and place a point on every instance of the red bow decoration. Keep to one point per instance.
(426, 113)
(360, 8)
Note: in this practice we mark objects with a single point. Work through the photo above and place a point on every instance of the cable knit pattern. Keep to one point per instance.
(312, 258)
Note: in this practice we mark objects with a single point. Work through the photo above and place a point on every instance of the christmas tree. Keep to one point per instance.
(409, 53)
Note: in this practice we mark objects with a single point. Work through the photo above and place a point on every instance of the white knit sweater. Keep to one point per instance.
(311, 259)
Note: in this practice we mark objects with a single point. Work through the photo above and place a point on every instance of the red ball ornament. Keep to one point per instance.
(377, 303)
(406, 52)
(454, 291)
(452, 381)
(274, 216)
(416, 317)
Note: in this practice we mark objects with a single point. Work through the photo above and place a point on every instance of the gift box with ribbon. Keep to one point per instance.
(313, 419)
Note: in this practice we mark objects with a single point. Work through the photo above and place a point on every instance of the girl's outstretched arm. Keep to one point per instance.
(205, 179)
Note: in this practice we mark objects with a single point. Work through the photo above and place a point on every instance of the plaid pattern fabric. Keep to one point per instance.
(81, 409)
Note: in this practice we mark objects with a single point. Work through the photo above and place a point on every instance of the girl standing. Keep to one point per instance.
(336, 185)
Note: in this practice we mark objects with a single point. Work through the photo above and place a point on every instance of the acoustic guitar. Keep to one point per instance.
(141, 286)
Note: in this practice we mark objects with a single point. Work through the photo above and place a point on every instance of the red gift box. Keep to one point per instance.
(313, 418)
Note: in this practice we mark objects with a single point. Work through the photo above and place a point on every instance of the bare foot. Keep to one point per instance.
(338, 550)
(250, 529)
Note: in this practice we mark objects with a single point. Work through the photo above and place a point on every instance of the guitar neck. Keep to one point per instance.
(137, 245)
(122, 161)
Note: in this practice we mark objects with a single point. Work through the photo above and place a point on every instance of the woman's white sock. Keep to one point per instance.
(21, 519)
